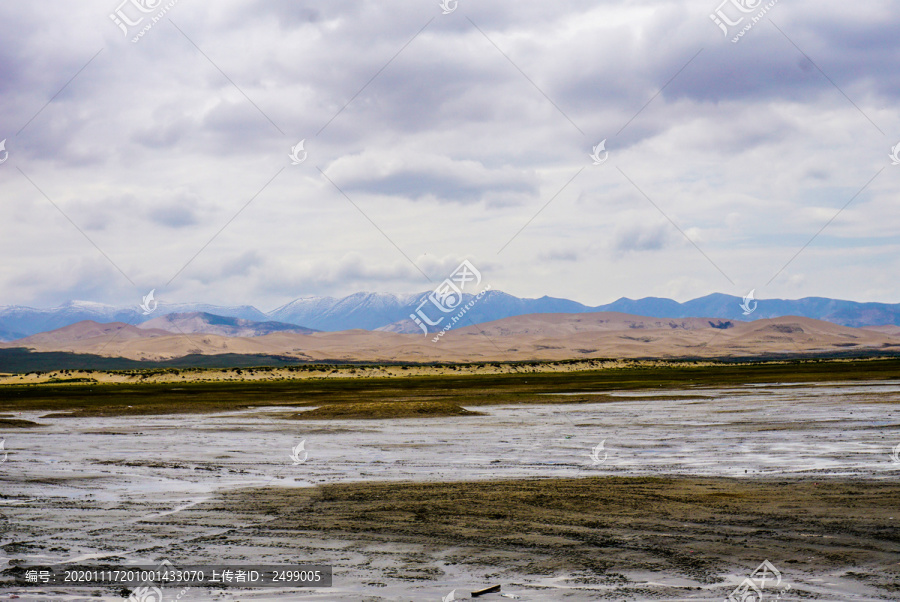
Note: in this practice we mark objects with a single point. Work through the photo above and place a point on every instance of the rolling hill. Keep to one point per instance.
(518, 338)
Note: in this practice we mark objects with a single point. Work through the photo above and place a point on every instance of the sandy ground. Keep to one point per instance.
(142, 489)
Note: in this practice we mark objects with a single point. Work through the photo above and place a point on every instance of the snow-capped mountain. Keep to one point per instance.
(18, 321)
(371, 311)
(360, 310)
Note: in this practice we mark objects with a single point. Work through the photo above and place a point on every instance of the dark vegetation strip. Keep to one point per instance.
(20, 360)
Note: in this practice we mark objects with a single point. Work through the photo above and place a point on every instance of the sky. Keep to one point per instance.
(164, 151)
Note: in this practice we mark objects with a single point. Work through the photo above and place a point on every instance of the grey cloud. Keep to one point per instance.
(94, 215)
(414, 184)
(173, 215)
(349, 272)
(560, 255)
(642, 237)
(416, 176)
(84, 277)
(216, 268)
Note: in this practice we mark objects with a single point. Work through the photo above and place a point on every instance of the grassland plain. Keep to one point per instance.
(438, 389)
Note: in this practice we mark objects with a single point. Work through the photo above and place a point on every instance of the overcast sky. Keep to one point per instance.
(430, 138)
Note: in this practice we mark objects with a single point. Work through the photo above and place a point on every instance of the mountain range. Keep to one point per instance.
(384, 311)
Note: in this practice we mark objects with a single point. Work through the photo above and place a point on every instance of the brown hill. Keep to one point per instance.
(558, 325)
(886, 329)
(528, 337)
(88, 330)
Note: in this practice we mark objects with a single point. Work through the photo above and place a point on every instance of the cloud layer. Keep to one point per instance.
(164, 163)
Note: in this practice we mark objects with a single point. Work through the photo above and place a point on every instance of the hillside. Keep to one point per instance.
(529, 337)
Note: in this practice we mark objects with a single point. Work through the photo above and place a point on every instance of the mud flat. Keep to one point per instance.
(608, 538)
(645, 486)
(598, 538)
